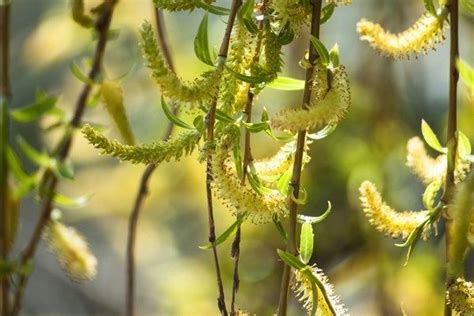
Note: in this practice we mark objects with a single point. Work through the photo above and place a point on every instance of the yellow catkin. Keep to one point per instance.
(461, 297)
(384, 218)
(261, 208)
(429, 169)
(427, 31)
(72, 251)
(325, 303)
(278, 163)
(330, 101)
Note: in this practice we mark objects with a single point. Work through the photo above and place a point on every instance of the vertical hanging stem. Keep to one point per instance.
(453, 269)
(143, 186)
(4, 132)
(210, 122)
(50, 182)
(296, 176)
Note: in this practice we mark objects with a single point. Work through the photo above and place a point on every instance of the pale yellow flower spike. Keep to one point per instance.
(72, 251)
(384, 218)
(280, 162)
(242, 198)
(330, 101)
(423, 166)
(429, 169)
(427, 31)
(326, 302)
(461, 297)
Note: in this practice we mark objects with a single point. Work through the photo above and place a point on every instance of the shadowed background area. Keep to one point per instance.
(174, 276)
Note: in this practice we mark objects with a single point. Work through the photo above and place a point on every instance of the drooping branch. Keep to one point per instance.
(50, 182)
(296, 176)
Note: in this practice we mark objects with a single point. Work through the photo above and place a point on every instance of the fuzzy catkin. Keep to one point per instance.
(180, 5)
(325, 303)
(384, 218)
(425, 34)
(461, 297)
(71, 250)
(329, 103)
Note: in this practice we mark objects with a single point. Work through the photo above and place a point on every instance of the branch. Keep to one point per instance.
(50, 182)
(4, 132)
(296, 177)
(210, 121)
(143, 187)
(453, 268)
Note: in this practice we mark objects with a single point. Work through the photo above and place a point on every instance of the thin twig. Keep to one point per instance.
(102, 27)
(210, 122)
(5, 96)
(452, 268)
(296, 176)
(143, 187)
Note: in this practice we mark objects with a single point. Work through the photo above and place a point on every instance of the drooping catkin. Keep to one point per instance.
(384, 218)
(71, 250)
(328, 303)
(180, 5)
(157, 152)
(423, 35)
(330, 101)
(261, 208)
(461, 297)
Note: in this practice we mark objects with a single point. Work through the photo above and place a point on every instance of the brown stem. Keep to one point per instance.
(143, 187)
(452, 269)
(210, 122)
(296, 176)
(4, 135)
(102, 26)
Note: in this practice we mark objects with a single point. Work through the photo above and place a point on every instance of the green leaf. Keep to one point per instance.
(464, 146)
(33, 112)
(248, 79)
(256, 127)
(280, 229)
(226, 234)
(323, 133)
(326, 12)
(173, 118)
(302, 199)
(255, 183)
(430, 194)
(63, 169)
(222, 116)
(291, 260)
(67, 201)
(315, 219)
(217, 10)
(201, 43)
(112, 97)
(283, 184)
(429, 6)
(76, 71)
(431, 138)
(15, 166)
(334, 56)
(286, 35)
(321, 49)
(199, 124)
(237, 159)
(245, 16)
(287, 84)
(32, 154)
(306, 242)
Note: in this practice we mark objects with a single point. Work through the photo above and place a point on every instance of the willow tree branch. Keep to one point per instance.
(210, 122)
(4, 135)
(102, 26)
(143, 186)
(296, 176)
(453, 269)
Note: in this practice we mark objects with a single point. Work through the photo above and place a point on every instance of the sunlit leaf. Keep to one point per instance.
(172, 117)
(430, 137)
(306, 242)
(201, 42)
(226, 234)
(35, 111)
(291, 260)
(321, 49)
(287, 84)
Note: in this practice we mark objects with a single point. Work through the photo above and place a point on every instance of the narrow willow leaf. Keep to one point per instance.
(222, 116)
(33, 112)
(76, 71)
(256, 127)
(173, 118)
(431, 193)
(306, 242)
(283, 184)
(431, 138)
(286, 35)
(327, 12)
(334, 56)
(226, 234)
(315, 219)
(281, 230)
(201, 42)
(321, 49)
(11, 220)
(256, 185)
(466, 71)
(217, 10)
(31, 153)
(112, 97)
(63, 169)
(302, 199)
(15, 166)
(238, 159)
(282, 139)
(323, 133)
(291, 260)
(429, 5)
(248, 79)
(199, 124)
(286, 84)
(245, 16)
(464, 146)
(67, 201)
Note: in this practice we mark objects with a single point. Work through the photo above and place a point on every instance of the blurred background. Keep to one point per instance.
(174, 276)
